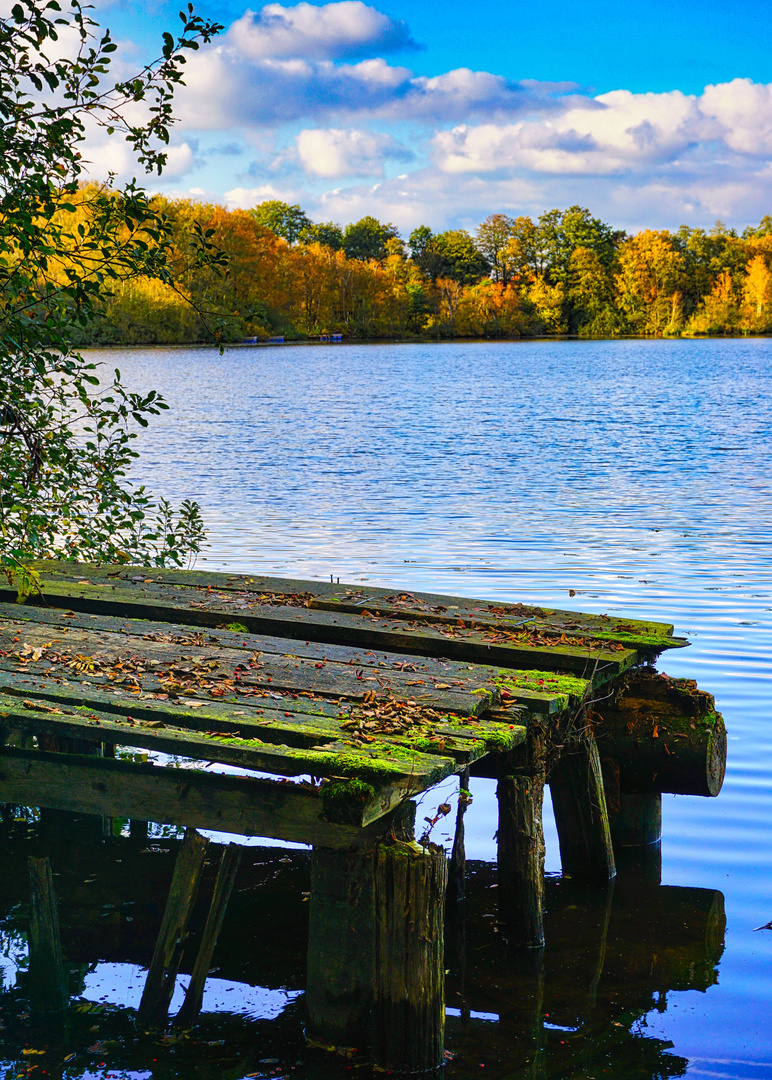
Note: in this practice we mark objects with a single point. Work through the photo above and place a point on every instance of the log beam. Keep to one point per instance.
(662, 735)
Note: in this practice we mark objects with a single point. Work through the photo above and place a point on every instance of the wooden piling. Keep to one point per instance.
(341, 962)
(638, 820)
(521, 843)
(161, 977)
(581, 815)
(410, 976)
(223, 886)
(457, 862)
(48, 980)
(375, 957)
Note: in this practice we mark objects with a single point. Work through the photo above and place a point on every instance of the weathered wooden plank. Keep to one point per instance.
(248, 806)
(249, 665)
(589, 658)
(478, 615)
(424, 678)
(397, 765)
(377, 726)
(354, 598)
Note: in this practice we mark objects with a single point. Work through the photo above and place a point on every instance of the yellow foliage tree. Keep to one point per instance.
(757, 294)
(650, 283)
(718, 313)
(548, 302)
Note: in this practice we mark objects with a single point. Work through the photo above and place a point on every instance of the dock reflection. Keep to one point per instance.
(578, 1008)
(575, 1009)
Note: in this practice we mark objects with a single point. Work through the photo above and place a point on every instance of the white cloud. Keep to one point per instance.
(293, 64)
(330, 32)
(180, 160)
(111, 154)
(743, 110)
(225, 89)
(622, 133)
(464, 94)
(333, 153)
(611, 133)
(242, 198)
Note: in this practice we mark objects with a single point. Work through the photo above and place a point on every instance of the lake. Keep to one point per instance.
(622, 477)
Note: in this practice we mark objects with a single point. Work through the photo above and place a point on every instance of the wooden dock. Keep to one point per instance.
(315, 712)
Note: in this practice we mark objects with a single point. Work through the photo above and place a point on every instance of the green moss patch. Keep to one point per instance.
(546, 682)
(345, 800)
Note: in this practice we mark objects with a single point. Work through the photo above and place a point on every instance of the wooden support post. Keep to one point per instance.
(521, 843)
(457, 865)
(375, 954)
(48, 981)
(636, 827)
(223, 886)
(581, 816)
(638, 821)
(410, 883)
(161, 977)
(341, 962)
(138, 830)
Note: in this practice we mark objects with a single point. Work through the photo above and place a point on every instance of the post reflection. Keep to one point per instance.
(576, 1008)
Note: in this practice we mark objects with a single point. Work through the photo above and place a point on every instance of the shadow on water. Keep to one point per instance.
(577, 1009)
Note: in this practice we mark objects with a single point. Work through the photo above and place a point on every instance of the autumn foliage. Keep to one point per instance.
(566, 273)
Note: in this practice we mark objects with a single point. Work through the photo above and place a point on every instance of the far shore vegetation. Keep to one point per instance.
(565, 273)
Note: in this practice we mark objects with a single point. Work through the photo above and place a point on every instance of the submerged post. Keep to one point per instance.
(520, 795)
(376, 953)
(581, 815)
(48, 981)
(161, 977)
(457, 861)
(223, 887)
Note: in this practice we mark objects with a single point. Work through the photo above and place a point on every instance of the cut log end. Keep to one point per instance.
(662, 735)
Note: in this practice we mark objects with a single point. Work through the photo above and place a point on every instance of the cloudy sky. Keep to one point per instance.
(650, 114)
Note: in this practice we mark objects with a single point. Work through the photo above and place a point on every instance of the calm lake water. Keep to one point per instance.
(610, 477)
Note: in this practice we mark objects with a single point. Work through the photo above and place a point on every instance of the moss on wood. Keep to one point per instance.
(344, 800)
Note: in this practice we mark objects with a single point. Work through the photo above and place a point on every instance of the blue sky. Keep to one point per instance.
(650, 115)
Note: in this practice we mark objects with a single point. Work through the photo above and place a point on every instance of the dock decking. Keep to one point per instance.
(312, 712)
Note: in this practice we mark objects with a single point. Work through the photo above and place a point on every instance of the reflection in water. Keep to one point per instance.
(578, 1008)
(612, 956)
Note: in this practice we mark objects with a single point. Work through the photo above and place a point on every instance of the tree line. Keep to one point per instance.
(565, 273)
